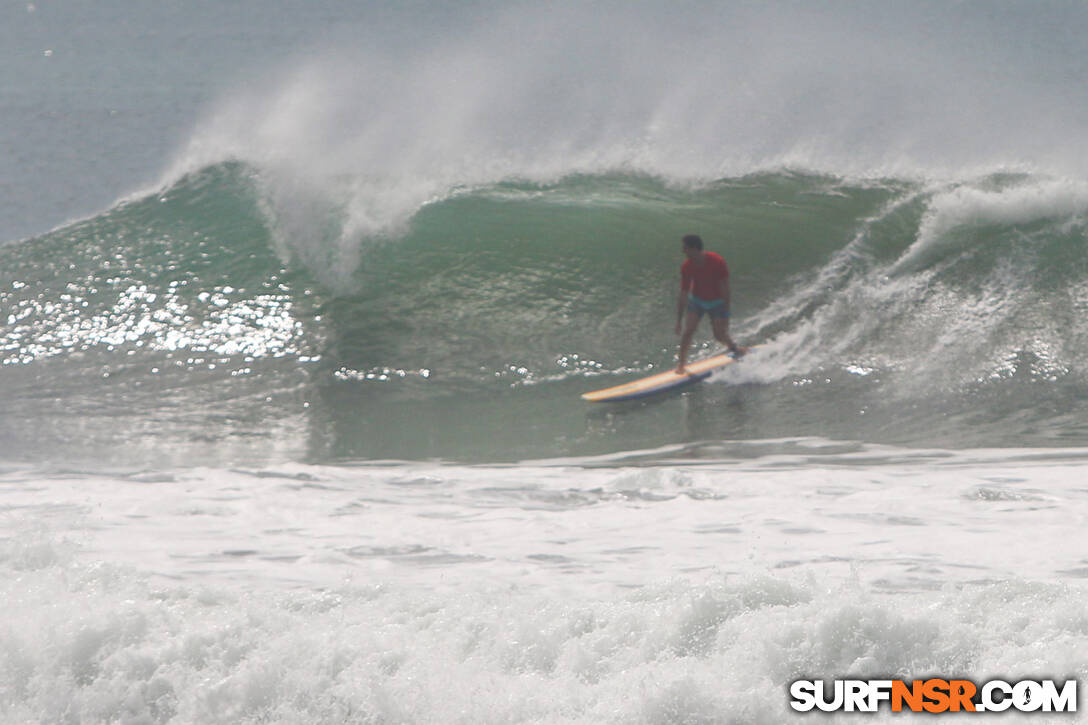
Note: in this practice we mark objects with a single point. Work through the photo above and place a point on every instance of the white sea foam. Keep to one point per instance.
(560, 594)
(958, 306)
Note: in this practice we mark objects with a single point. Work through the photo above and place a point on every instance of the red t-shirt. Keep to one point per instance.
(704, 280)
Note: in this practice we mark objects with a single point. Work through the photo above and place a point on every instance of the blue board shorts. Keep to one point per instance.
(715, 308)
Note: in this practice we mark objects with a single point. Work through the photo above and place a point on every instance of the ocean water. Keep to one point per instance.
(297, 301)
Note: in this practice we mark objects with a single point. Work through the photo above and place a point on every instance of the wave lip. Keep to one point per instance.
(1024, 202)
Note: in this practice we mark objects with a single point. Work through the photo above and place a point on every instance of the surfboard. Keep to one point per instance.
(661, 382)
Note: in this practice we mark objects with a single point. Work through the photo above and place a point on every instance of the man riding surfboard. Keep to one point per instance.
(704, 288)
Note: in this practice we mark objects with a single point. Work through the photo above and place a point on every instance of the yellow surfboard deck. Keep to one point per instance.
(659, 383)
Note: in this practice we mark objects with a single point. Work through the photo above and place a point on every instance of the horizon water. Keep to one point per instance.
(298, 300)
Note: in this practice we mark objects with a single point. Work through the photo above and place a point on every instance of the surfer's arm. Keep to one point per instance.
(725, 292)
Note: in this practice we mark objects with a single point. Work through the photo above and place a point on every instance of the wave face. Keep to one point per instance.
(893, 311)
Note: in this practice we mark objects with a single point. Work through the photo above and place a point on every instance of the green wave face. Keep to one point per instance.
(218, 319)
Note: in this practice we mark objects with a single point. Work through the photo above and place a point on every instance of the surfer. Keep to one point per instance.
(704, 288)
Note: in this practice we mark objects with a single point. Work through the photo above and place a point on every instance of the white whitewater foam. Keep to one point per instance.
(518, 594)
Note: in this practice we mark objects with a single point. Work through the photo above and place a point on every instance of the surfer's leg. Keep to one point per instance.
(721, 334)
(691, 321)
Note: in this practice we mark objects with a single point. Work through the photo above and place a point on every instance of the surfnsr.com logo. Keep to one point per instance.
(934, 695)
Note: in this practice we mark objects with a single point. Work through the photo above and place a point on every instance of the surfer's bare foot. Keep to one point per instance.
(680, 370)
(739, 351)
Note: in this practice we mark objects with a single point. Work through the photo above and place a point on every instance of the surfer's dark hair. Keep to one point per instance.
(694, 240)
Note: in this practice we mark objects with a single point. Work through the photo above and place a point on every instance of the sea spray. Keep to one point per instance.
(351, 139)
